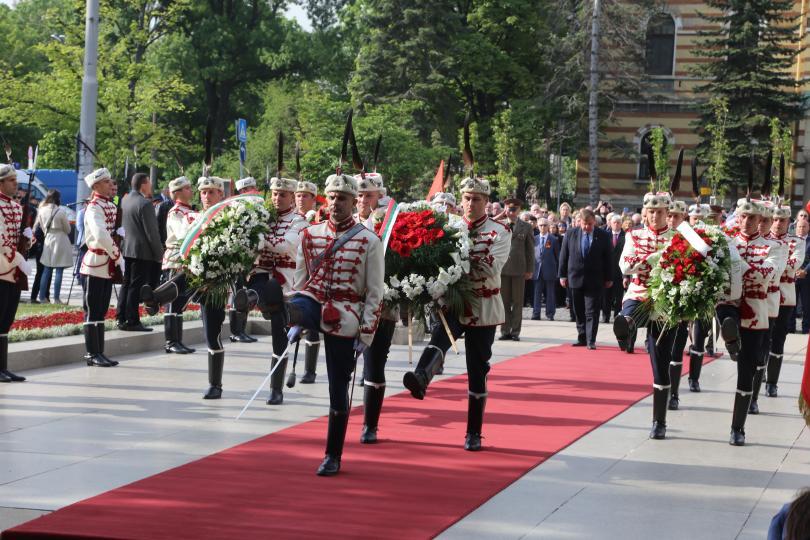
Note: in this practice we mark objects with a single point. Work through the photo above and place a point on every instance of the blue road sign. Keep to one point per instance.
(241, 130)
(242, 152)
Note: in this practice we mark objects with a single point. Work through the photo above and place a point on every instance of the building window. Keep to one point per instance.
(643, 161)
(660, 54)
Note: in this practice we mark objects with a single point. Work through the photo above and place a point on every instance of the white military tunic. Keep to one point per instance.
(10, 218)
(757, 253)
(99, 224)
(637, 249)
(278, 252)
(349, 285)
(781, 250)
(178, 222)
(492, 241)
(787, 281)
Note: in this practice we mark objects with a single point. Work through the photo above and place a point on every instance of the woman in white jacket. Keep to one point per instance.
(57, 251)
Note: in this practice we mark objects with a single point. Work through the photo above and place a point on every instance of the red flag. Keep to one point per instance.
(438, 182)
(804, 394)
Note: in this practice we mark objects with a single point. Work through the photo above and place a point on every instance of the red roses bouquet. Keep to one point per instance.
(426, 259)
(690, 275)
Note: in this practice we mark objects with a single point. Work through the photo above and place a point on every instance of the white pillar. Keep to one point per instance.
(87, 123)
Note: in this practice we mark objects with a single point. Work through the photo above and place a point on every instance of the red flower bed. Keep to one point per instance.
(62, 318)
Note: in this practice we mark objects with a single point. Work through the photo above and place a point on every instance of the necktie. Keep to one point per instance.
(615, 239)
(586, 244)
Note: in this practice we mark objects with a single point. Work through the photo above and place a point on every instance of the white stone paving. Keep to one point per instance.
(72, 432)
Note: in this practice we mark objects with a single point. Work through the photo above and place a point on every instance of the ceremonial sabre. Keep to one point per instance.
(447, 330)
(266, 379)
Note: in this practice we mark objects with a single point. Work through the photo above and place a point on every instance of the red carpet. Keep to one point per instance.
(414, 484)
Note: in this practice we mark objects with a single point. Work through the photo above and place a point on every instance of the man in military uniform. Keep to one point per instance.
(305, 203)
(369, 191)
(700, 329)
(339, 290)
(642, 244)
(787, 291)
(178, 220)
(98, 264)
(237, 320)
(276, 261)
(13, 265)
(677, 213)
(491, 245)
(744, 322)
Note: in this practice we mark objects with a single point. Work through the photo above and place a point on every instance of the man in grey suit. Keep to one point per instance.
(519, 267)
(143, 251)
(547, 258)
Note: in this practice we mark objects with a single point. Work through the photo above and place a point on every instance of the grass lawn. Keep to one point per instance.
(25, 309)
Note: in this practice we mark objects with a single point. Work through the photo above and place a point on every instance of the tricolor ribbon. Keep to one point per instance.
(387, 226)
(207, 217)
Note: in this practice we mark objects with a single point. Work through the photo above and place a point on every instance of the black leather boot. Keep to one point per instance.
(5, 374)
(731, 335)
(170, 331)
(165, 293)
(271, 299)
(245, 300)
(277, 381)
(774, 368)
(238, 322)
(475, 420)
(178, 334)
(92, 345)
(216, 364)
(753, 408)
(310, 361)
(659, 427)
(101, 331)
(622, 328)
(741, 404)
(335, 437)
(695, 365)
(373, 394)
(675, 370)
(430, 362)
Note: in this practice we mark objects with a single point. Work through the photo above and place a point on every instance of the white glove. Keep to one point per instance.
(120, 232)
(294, 333)
(120, 262)
(28, 233)
(359, 346)
(25, 267)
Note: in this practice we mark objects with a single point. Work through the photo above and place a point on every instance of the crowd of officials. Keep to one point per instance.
(570, 260)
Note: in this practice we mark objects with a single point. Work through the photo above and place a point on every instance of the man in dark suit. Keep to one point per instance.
(142, 250)
(546, 258)
(518, 268)
(585, 259)
(613, 295)
(803, 281)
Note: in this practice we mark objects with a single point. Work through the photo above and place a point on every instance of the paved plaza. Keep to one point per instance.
(72, 432)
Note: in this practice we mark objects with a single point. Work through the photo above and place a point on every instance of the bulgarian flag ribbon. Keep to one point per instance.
(387, 226)
(804, 394)
(207, 217)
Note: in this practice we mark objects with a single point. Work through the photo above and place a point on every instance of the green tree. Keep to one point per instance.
(751, 52)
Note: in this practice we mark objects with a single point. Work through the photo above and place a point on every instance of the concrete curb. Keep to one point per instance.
(41, 353)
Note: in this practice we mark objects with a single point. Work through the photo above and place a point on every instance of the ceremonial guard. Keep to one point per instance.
(744, 322)
(14, 268)
(787, 295)
(99, 263)
(305, 203)
(700, 329)
(339, 290)
(642, 244)
(237, 320)
(369, 191)
(780, 253)
(178, 220)
(676, 216)
(276, 262)
(491, 244)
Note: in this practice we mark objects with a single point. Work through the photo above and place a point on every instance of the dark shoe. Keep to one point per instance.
(214, 392)
(674, 402)
(737, 437)
(731, 335)
(136, 327)
(241, 338)
(551, 318)
(694, 386)
(591, 347)
(308, 378)
(605, 320)
(34, 301)
(753, 408)
(472, 442)
(505, 337)
(120, 325)
(631, 348)
(276, 397)
(515, 338)
(12, 376)
(368, 436)
(578, 344)
(329, 467)
(621, 329)
(771, 390)
(248, 338)
(96, 360)
(416, 382)
(658, 431)
(4, 378)
(536, 318)
(175, 348)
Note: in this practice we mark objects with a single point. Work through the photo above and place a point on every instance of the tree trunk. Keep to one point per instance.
(593, 110)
